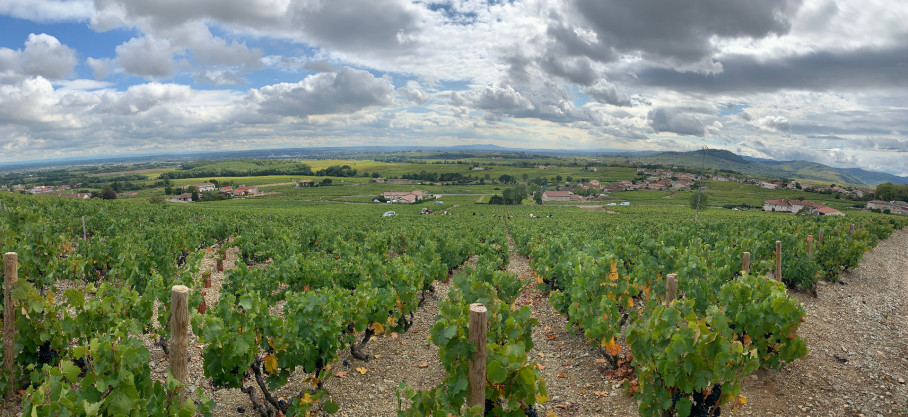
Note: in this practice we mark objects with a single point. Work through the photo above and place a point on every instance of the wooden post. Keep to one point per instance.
(477, 376)
(851, 231)
(84, 235)
(671, 288)
(10, 276)
(745, 264)
(778, 260)
(179, 333)
(820, 239)
(809, 245)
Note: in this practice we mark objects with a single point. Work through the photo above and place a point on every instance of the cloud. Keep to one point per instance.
(817, 71)
(682, 32)
(218, 77)
(414, 93)
(101, 67)
(43, 56)
(147, 57)
(675, 121)
(345, 91)
(47, 10)
(605, 92)
(774, 123)
(141, 98)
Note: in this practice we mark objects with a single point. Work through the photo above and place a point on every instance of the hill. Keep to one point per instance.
(722, 159)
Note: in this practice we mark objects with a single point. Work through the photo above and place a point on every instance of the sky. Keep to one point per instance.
(815, 80)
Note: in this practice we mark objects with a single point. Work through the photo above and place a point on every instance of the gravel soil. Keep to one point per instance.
(857, 334)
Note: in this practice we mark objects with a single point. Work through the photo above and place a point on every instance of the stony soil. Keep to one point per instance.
(857, 334)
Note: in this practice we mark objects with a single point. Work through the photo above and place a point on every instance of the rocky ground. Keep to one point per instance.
(856, 331)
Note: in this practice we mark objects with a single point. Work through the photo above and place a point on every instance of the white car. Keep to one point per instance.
(389, 214)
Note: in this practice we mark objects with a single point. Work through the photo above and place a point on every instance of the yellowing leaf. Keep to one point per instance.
(377, 328)
(551, 413)
(307, 399)
(740, 400)
(538, 279)
(630, 302)
(362, 371)
(271, 364)
(611, 346)
(613, 268)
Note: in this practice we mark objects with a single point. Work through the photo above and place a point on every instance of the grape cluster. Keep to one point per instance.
(46, 355)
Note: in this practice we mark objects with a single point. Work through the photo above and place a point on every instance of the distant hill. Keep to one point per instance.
(721, 159)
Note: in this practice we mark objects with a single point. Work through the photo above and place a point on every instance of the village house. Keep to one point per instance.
(557, 196)
(795, 206)
(205, 186)
(379, 180)
(768, 185)
(894, 207)
(242, 190)
(182, 198)
(403, 196)
(227, 189)
(81, 196)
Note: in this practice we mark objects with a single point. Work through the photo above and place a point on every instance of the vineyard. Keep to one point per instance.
(663, 299)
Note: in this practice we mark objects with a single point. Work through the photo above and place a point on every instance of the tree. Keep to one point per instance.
(326, 182)
(108, 193)
(525, 177)
(215, 182)
(496, 199)
(537, 197)
(558, 178)
(703, 201)
(195, 196)
(569, 179)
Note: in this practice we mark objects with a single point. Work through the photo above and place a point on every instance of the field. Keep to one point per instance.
(322, 305)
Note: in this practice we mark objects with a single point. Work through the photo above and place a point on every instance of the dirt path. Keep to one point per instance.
(576, 382)
(857, 335)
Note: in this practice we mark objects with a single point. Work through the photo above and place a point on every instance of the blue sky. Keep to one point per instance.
(817, 80)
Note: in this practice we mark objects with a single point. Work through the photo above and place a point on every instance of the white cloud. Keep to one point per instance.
(43, 56)
(147, 57)
(345, 91)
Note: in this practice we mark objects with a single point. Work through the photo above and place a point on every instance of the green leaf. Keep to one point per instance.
(497, 373)
(246, 303)
(683, 407)
(70, 371)
(119, 403)
(331, 407)
(91, 409)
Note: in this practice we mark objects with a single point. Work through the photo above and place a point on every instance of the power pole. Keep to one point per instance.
(700, 186)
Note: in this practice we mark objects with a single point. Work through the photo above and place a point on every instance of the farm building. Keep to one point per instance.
(557, 195)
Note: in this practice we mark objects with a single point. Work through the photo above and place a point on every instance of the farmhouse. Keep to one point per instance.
(403, 196)
(205, 186)
(794, 206)
(894, 207)
(379, 180)
(182, 198)
(82, 196)
(557, 195)
(242, 190)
